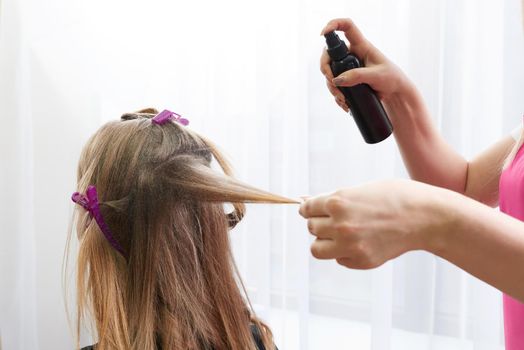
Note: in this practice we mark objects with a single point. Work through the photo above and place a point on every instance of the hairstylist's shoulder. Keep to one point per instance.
(517, 131)
(90, 347)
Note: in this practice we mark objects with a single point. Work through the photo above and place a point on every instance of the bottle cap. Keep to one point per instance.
(336, 48)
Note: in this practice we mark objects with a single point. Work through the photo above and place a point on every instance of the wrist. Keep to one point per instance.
(405, 105)
(405, 97)
(442, 215)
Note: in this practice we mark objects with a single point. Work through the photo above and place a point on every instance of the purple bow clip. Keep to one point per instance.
(165, 116)
(90, 203)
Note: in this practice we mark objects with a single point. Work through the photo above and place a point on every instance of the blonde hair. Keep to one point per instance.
(178, 286)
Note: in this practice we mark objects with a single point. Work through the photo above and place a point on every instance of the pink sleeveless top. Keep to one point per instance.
(511, 202)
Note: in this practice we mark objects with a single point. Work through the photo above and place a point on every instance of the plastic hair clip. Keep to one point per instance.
(165, 116)
(90, 203)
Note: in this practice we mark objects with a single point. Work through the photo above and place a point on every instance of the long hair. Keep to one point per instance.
(177, 286)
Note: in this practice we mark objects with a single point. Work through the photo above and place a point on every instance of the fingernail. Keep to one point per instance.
(338, 80)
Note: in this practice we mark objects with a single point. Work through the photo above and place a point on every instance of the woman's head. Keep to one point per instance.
(175, 283)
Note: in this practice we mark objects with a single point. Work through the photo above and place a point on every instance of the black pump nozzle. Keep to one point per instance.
(332, 39)
(336, 48)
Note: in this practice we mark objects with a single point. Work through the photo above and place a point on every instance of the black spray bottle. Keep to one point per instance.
(368, 112)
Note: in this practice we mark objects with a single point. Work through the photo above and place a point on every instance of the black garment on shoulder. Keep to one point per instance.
(254, 330)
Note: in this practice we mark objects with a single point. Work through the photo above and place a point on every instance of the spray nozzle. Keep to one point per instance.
(332, 39)
(336, 48)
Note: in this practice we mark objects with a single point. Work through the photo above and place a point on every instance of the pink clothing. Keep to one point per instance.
(511, 202)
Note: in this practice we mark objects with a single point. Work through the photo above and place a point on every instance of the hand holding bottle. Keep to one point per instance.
(381, 74)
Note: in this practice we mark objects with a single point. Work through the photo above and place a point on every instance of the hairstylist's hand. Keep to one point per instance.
(380, 73)
(363, 227)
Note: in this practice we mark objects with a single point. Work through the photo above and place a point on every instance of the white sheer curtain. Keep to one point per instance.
(246, 75)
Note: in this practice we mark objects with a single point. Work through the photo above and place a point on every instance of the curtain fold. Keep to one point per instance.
(246, 74)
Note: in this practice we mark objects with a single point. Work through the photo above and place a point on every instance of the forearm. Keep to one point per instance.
(428, 158)
(482, 241)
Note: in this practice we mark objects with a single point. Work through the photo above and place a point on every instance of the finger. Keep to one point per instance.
(321, 227)
(324, 205)
(325, 67)
(326, 249)
(335, 91)
(313, 207)
(364, 75)
(347, 262)
(359, 44)
(342, 105)
(339, 96)
(359, 264)
(351, 31)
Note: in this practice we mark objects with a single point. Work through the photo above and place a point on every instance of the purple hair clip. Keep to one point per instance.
(165, 116)
(90, 203)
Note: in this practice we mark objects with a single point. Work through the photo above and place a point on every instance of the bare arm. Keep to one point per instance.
(430, 159)
(363, 227)
(426, 154)
(486, 243)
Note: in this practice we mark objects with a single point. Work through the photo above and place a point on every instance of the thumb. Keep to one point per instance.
(356, 76)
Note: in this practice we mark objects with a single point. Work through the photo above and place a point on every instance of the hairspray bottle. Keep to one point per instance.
(368, 112)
